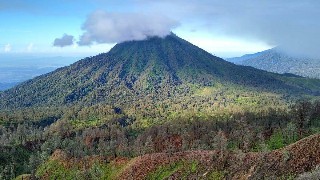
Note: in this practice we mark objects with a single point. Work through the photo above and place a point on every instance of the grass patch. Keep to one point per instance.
(166, 171)
(216, 175)
(80, 124)
(206, 91)
(185, 169)
(54, 169)
(23, 176)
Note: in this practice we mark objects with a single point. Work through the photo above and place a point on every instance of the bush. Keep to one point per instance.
(276, 141)
(217, 175)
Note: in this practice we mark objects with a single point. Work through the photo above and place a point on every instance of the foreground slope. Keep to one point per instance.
(155, 70)
(274, 60)
(290, 161)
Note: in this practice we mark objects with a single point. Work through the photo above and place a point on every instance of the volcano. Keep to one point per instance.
(169, 70)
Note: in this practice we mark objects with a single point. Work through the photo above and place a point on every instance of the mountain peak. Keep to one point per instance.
(154, 70)
(152, 40)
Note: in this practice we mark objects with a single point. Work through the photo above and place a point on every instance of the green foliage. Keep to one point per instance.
(78, 124)
(14, 159)
(216, 175)
(109, 171)
(287, 177)
(185, 169)
(276, 141)
(164, 172)
(314, 130)
(121, 136)
(56, 170)
(290, 133)
(23, 177)
(194, 166)
(233, 145)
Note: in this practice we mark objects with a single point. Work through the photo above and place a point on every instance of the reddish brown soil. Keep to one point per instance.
(297, 158)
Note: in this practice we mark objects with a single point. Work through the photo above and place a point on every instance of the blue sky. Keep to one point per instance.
(225, 28)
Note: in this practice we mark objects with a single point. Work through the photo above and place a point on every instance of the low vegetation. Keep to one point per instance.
(30, 145)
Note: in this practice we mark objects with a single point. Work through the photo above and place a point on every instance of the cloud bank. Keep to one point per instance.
(292, 24)
(65, 40)
(103, 27)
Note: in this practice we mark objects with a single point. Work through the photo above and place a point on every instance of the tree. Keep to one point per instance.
(301, 112)
(34, 162)
(220, 143)
(290, 133)
(148, 145)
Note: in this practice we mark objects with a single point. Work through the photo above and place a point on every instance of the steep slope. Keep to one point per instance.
(274, 60)
(150, 71)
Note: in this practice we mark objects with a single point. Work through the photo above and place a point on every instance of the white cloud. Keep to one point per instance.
(30, 47)
(223, 46)
(103, 27)
(292, 24)
(7, 48)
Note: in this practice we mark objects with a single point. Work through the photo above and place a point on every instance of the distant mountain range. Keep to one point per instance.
(274, 60)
